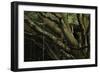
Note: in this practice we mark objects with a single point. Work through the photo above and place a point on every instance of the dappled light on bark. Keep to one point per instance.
(56, 36)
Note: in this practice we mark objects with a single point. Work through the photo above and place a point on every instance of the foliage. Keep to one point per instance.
(56, 36)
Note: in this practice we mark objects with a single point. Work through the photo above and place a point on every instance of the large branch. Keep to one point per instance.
(69, 37)
(50, 23)
(41, 31)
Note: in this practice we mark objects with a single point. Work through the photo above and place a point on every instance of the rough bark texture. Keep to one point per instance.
(56, 36)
